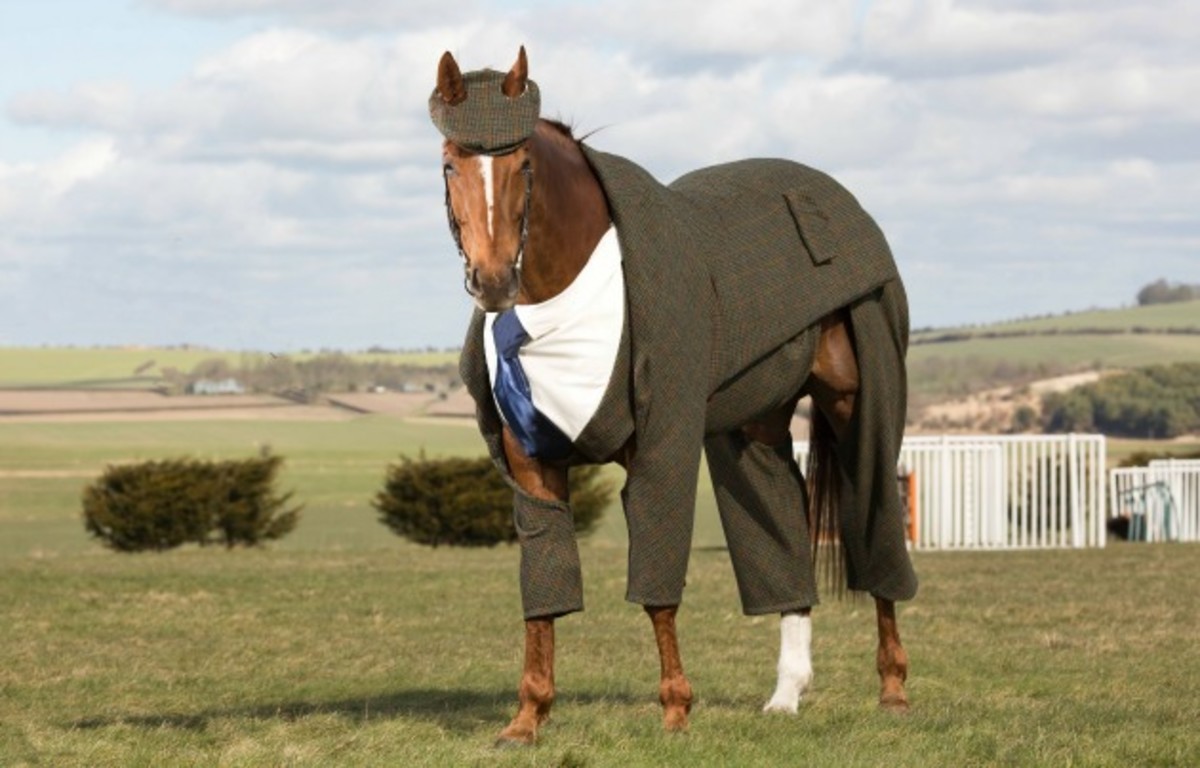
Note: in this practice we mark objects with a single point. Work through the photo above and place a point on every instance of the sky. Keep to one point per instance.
(262, 174)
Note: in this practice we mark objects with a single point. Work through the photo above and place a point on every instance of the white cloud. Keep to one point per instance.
(344, 14)
(285, 191)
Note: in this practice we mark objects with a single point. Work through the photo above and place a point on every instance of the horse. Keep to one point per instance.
(702, 356)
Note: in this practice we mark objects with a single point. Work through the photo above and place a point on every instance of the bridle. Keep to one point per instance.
(456, 230)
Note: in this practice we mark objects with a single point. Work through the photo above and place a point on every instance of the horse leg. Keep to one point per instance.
(795, 662)
(536, 691)
(834, 386)
(891, 659)
(674, 690)
(768, 539)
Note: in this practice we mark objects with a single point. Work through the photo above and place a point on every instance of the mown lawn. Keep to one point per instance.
(402, 656)
(343, 645)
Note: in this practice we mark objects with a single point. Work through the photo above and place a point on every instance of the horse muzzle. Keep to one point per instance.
(493, 292)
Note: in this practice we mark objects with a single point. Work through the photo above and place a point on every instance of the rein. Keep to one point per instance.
(456, 230)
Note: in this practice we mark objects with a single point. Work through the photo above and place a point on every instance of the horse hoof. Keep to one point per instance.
(896, 703)
(675, 722)
(516, 736)
(510, 742)
(782, 705)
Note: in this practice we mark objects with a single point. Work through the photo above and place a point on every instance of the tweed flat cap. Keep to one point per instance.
(487, 122)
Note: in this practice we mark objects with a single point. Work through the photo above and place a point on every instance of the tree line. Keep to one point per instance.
(308, 378)
(1157, 401)
(1163, 292)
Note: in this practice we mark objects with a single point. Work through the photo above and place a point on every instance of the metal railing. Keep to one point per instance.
(1005, 491)
(1159, 502)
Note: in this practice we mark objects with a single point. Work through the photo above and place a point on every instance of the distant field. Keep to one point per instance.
(1156, 316)
(138, 367)
(1118, 351)
(141, 367)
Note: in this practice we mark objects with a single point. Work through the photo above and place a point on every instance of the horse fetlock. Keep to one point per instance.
(537, 696)
(675, 695)
(892, 663)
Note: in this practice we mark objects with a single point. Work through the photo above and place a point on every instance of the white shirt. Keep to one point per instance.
(573, 340)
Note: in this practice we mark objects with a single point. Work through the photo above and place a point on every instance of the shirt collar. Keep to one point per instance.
(589, 284)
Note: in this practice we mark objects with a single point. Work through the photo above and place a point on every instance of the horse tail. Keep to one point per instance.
(824, 504)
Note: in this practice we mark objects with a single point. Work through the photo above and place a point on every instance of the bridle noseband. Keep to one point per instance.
(456, 230)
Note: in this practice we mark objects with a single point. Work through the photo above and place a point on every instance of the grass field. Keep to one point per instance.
(343, 645)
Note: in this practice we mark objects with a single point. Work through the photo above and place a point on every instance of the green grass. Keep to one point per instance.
(1120, 449)
(343, 645)
(409, 656)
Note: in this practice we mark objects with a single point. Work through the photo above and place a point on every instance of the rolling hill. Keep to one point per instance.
(958, 361)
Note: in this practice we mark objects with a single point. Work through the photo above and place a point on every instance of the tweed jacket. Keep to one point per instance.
(726, 271)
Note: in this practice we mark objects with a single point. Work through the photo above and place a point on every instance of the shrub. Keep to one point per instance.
(250, 512)
(466, 503)
(1157, 401)
(158, 505)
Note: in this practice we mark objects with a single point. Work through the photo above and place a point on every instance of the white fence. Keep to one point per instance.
(1161, 502)
(1005, 491)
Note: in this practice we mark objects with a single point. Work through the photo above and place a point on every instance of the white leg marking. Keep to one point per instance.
(489, 193)
(795, 663)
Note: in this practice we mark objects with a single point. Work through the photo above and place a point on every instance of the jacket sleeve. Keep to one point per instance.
(551, 576)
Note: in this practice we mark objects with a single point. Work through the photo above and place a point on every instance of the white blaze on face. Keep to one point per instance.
(795, 663)
(489, 191)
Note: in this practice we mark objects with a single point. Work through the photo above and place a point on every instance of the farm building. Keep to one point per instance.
(228, 386)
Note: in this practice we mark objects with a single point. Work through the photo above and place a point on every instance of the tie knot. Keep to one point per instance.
(509, 334)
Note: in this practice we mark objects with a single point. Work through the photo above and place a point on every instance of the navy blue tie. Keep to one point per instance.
(539, 436)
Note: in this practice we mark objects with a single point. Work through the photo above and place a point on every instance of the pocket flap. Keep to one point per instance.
(813, 225)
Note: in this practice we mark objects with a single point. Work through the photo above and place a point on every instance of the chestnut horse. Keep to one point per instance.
(526, 221)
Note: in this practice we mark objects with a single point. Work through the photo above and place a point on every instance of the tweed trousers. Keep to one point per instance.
(727, 271)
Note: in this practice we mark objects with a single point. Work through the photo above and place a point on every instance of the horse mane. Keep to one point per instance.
(561, 127)
(568, 131)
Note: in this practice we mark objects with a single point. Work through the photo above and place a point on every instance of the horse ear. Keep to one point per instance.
(514, 82)
(450, 85)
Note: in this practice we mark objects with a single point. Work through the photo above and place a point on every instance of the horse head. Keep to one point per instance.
(489, 178)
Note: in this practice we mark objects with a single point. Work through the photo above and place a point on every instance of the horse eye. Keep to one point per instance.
(448, 170)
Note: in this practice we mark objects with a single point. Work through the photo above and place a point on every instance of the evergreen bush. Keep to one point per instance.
(158, 505)
(466, 503)
(1157, 401)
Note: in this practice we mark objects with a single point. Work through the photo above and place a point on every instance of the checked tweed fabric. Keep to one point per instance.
(727, 270)
(487, 122)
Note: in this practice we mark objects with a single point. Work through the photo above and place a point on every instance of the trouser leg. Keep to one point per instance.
(551, 577)
(761, 500)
